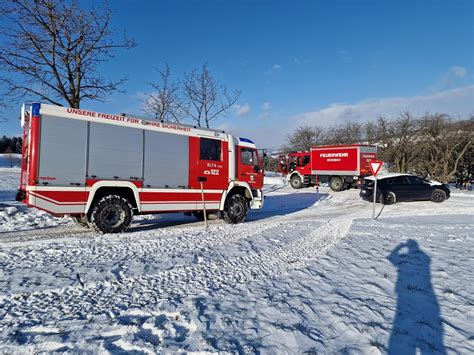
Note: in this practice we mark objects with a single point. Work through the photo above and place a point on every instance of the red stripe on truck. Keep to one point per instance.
(162, 197)
(62, 197)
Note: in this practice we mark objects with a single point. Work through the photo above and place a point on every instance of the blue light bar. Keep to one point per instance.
(35, 109)
(245, 140)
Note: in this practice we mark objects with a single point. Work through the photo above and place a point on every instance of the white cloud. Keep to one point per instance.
(458, 72)
(266, 106)
(274, 68)
(453, 77)
(228, 127)
(242, 110)
(266, 111)
(344, 54)
(458, 102)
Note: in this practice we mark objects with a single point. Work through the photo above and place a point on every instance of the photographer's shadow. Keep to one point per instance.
(417, 324)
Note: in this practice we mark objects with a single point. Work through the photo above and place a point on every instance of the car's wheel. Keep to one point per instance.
(78, 220)
(235, 209)
(438, 195)
(388, 198)
(336, 183)
(295, 182)
(111, 214)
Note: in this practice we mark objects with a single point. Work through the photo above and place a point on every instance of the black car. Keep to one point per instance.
(392, 188)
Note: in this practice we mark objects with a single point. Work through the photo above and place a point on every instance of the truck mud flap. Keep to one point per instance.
(20, 196)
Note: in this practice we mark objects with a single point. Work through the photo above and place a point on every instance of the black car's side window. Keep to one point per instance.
(399, 180)
(413, 180)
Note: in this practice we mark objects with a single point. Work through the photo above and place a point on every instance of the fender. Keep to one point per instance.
(295, 172)
(233, 184)
(106, 183)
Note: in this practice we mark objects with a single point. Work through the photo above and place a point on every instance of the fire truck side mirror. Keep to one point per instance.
(255, 168)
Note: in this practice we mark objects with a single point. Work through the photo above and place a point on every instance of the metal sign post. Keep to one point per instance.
(317, 187)
(375, 194)
(375, 167)
(202, 180)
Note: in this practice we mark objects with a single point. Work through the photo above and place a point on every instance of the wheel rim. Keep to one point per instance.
(236, 209)
(337, 184)
(390, 198)
(437, 196)
(112, 216)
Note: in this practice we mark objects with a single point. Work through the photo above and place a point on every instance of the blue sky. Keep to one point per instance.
(301, 62)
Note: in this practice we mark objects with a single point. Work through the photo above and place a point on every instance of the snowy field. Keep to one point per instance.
(10, 160)
(308, 273)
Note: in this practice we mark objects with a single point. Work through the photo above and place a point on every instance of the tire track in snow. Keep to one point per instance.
(125, 247)
(104, 296)
(41, 234)
(89, 248)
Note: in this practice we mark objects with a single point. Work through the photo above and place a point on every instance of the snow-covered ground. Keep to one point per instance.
(307, 273)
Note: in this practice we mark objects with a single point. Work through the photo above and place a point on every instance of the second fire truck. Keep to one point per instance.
(342, 166)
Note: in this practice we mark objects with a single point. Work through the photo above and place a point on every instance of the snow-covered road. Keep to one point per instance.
(307, 273)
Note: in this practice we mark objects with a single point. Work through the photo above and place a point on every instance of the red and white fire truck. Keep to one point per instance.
(101, 169)
(342, 166)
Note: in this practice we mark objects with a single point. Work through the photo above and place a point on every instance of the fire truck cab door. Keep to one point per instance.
(249, 167)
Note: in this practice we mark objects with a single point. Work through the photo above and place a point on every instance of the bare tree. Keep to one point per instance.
(433, 146)
(164, 103)
(347, 133)
(444, 144)
(306, 137)
(52, 49)
(3, 106)
(378, 132)
(204, 100)
(397, 140)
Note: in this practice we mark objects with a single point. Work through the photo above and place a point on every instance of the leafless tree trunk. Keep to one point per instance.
(52, 49)
(164, 103)
(204, 100)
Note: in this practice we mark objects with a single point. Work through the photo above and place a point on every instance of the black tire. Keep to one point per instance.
(336, 183)
(111, 214)
(388, 198)
(438, 195)
(79, 222)
(296, 182)
(235, 209)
